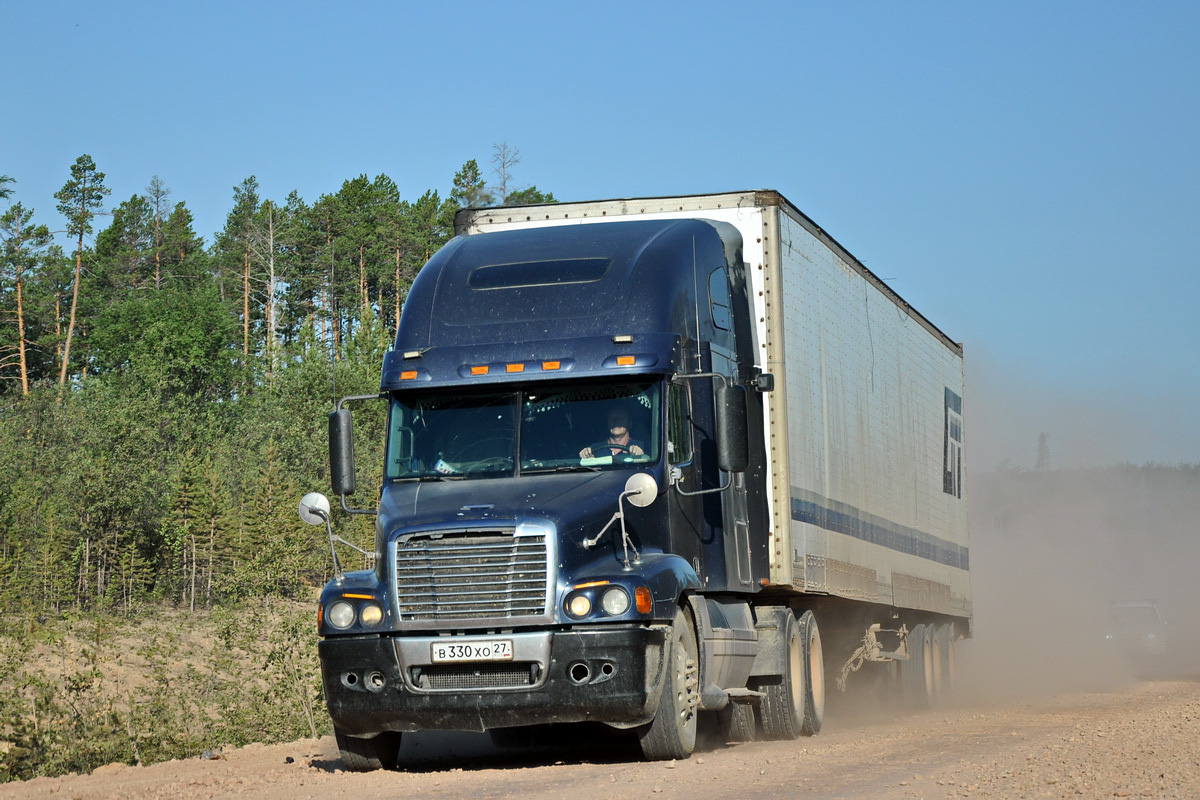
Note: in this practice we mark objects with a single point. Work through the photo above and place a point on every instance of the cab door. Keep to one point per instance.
(722, 359)
(689, 534)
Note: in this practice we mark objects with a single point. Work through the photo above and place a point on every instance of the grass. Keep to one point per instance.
(81, 692)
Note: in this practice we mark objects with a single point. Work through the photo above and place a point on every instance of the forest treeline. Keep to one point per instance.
(162, 399)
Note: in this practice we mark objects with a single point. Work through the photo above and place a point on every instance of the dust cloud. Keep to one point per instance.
(1053, 547)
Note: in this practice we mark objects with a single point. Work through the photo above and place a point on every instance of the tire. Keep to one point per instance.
(737, 723)
(814, 677)
(513, 738)
(917, 674)
(944, 672)
(795, 705)
(367, 755)
(671, 735)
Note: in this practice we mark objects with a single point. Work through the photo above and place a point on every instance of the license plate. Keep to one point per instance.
(477, 650)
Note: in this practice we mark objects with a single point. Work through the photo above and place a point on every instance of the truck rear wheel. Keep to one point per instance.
(795, 706)
(672, 733)
(737, 723)
(366, 755)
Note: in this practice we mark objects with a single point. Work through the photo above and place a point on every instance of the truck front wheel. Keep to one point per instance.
(672, 733)
(366, 755)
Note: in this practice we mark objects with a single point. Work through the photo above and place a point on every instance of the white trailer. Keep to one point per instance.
(865, 422)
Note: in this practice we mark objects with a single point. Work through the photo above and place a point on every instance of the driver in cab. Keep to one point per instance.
(619, 441)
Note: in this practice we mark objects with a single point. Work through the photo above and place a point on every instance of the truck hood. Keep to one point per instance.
(571, 501)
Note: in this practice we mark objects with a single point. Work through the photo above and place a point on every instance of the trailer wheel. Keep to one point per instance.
(944, 675)
(917, 674)
(795, 706)
(366, 755)
(672, 733)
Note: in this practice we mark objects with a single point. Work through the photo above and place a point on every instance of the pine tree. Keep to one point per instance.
(529, 197)
(235, 252)
(470, 189)
(185, 529)
(23, 242)
(267, 245)
(183, 257)
(156, 198)
(218, 530)
(78, 200)
(124, 253)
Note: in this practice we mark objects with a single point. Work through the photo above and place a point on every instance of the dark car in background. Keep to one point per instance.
(1137, 629)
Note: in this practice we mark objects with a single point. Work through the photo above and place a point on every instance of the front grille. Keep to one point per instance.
(471, 575)
(477, 676)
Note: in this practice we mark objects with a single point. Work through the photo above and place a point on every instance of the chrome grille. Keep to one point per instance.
(471, 575)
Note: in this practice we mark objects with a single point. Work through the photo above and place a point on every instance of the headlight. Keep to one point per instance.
(604, 599)
(615, 601)
(371, 614)
(579, 605)
(340, 614)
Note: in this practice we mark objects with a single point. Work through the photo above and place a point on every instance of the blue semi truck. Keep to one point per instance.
(649, 461)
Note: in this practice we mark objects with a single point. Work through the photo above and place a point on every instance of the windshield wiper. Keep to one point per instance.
(561, 468)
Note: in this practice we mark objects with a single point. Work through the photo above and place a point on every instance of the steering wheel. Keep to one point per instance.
(598, 446)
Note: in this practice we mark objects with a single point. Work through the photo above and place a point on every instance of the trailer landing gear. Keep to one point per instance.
(924, 655)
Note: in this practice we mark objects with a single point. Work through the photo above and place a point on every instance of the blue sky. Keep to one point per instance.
(1026, 174)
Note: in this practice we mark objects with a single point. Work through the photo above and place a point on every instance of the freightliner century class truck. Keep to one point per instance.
(647, 461)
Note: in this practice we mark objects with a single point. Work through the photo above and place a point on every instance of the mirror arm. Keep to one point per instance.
(341, 404)
(728, 483)
(338, 574)
(626, 542)
(369, 512)
(687, 377)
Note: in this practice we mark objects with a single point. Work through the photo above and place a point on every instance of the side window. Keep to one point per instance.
(718, 299)
(952, 457)
(679, 425)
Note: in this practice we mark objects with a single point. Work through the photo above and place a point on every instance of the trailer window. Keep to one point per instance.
(952, 459)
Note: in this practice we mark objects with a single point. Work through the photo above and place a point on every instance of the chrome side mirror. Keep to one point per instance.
(314, 508)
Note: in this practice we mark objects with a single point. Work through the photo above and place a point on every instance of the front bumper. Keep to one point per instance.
(387, 683)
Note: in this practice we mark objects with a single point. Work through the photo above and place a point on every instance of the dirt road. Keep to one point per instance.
(1142, 740)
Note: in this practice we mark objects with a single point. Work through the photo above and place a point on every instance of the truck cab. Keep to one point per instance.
(534, 563)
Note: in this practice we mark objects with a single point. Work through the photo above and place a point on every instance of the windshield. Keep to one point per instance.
(533, 429)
